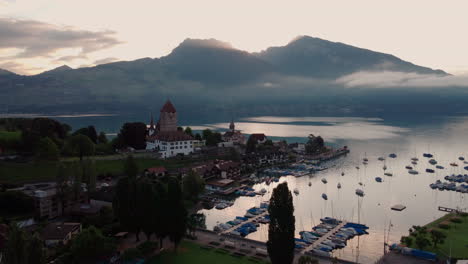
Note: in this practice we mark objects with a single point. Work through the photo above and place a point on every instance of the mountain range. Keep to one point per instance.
(200, 73)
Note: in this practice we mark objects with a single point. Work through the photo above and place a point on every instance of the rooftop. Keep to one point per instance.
(168, 107)
(59, 231)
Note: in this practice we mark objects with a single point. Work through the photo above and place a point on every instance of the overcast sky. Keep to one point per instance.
(36, 35)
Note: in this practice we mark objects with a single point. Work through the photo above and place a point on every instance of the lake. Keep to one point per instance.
(444, 136)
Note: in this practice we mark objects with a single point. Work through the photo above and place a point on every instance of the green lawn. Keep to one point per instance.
(15, 173)
(456, 240)
(190, 252)
(9, 136)
(457, 237)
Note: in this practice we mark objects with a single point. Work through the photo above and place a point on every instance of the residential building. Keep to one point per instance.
(46, 201)
(156, 171)
(259, 137)
(59, 233)
(218, 169)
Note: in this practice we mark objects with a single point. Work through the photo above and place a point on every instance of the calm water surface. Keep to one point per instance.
(370, 138)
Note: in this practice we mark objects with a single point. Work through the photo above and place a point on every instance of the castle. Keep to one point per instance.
(164, 136)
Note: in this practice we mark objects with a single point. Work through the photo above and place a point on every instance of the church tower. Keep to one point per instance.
(232, 127)
(168, 118)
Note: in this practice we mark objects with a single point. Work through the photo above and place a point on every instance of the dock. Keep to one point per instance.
(248, 221)
(324, 237)
(398, 207)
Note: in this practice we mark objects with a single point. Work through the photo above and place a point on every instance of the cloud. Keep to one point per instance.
(105, 60)
(17, 67)
(31, 39)
(385, 79)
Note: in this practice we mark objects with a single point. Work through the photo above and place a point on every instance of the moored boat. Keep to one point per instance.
(433, 161)
(378, 179)
(324, 196)
(324, 180)
(338, 186)
(430, 170)
(359, 192)
(414, 172)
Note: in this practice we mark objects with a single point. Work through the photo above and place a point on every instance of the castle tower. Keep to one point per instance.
(152, 122)
(168, 118)
(232, 127)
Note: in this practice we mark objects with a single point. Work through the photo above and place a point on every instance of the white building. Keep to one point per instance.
(165, 138)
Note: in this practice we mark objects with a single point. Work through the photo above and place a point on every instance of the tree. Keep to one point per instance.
(307, 260)
(46, 149)
(437, 237)
(408, 241)
(35, 250)
(77, 173)
(188, 131)
(37, 128)
(280, 242)
(177, 214)
(134, 135)
(16, 203)
(62, 187)
(161, 220)
(16, 250)
(422, 241)
(314, 145)
(211, 138)
(90, 245)
(102, 139)
(130, 167)
(124, 203)
(198, 137)
(89, 174)
(251, 145)
(193, 185)
(196, 221)
(90, 132)
(80, 145)
(145, 207)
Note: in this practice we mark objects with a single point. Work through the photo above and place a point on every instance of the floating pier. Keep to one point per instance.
(398, 207)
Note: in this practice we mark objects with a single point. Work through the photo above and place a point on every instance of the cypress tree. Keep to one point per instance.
(280, 242)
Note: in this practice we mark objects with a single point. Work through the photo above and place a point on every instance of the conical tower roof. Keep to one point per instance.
(168, 108)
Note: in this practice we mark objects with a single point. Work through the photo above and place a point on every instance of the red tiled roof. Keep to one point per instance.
(168, 108)
(170, 136)
(258, 137)
(156, 170)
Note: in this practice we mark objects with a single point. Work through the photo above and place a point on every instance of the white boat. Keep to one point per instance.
(414, 163)
(414, 159)
(388, 174)
(365, 162)
(296, 191)
(359, 192)
(324, 180)
(263, 190)
(338, 186)
(221, 206)
(433, 161)
(381, 158)
(414, 172)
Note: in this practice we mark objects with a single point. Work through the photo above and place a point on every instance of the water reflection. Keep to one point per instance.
(371, 138)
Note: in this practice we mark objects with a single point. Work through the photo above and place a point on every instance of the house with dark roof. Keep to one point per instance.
(156, 171)
(59, 233)
(259, 137)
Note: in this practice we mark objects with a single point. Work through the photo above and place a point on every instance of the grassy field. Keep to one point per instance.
(192, 253)
(9, 136)
(456, 241)
(16, 173)
(457, 237)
